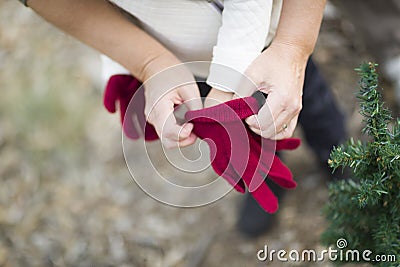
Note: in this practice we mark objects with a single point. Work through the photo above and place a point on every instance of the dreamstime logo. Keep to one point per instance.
(309, 255)
(182, 177)
(341, 243)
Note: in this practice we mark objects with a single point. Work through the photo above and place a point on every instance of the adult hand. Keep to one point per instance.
(171, 86)
(278, 72)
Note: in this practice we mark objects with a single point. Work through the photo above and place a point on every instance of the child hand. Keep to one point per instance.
(216, 97)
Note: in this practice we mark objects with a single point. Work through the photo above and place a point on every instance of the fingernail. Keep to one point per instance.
(189, 126)
(186, 130)
(251, 121)
(184, 133)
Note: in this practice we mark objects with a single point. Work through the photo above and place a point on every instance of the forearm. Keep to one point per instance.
(299, 25)
(101, 26)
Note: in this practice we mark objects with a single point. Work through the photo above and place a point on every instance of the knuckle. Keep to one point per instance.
(255, 125)
(285, 102)
(296, 107)
(288, 134)
(265, 133)
(264, 128)
(291, 105)
(299, 107)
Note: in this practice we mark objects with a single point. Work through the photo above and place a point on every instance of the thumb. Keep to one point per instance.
(252, 121)
(191, 96)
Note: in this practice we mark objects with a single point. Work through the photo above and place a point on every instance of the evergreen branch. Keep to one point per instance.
(367, 211)
(376, 116)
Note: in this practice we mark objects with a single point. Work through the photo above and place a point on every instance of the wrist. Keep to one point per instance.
(157, 62)
(216, 97)
(297, 50)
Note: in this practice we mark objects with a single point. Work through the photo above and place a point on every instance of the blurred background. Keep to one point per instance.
(66, 196)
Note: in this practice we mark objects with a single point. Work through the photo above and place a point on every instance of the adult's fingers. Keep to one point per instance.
(286, 120)
(184, 138)
(284, 132)
(263, 123)
(162, 118)
(191, 96)
(275, 117)
(168, 143)
(288, 132)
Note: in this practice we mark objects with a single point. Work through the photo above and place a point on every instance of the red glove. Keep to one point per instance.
(239, 155)
(122, 88)
(264, 163)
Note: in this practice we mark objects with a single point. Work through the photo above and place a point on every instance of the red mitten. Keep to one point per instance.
(239, 155)
(122, 88)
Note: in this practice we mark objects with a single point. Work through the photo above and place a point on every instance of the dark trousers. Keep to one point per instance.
(321, 119)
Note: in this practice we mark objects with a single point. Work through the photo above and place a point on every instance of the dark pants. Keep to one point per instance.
(322, 121)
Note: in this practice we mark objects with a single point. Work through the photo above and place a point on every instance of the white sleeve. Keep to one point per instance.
(241, 38)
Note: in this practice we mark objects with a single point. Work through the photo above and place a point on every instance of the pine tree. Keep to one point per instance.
(365, 210)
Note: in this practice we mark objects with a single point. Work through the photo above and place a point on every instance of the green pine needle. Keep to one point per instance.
(366, 210)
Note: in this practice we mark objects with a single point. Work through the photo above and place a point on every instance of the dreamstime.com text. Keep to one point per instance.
(310, 255)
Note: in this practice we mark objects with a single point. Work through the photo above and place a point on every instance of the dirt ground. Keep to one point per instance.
(66, 196)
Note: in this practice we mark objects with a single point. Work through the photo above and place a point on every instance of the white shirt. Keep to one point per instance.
(195, 30)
